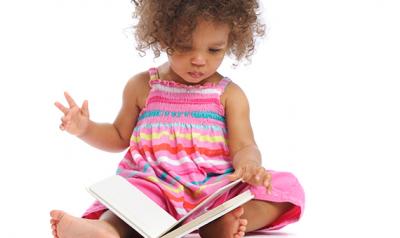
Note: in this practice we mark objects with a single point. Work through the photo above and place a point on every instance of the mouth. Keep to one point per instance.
(196, 74)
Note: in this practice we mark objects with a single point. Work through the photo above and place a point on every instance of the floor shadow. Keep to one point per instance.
(269, 233)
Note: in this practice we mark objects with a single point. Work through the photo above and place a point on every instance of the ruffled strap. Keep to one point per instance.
(153, 72)
(223, 83)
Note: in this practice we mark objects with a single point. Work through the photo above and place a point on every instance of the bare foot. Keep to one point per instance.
(64, 225)
(229, 225)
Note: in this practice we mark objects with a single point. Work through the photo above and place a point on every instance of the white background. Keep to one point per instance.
(323, 87)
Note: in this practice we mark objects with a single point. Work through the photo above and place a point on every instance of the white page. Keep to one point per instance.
(144, 215)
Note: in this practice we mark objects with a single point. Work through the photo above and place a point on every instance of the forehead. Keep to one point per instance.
(210, 32)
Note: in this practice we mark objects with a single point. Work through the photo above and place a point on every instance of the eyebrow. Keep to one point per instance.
(219, 43)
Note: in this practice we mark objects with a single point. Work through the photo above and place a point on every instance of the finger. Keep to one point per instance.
(68, 117)
(61, 107)
(63, 120)
(259, 174)
(248, 175)
(251, 179)
(267, 182)
(70, 101)
(252, 174)
(85, 108)
(237, 174)
(255, 176)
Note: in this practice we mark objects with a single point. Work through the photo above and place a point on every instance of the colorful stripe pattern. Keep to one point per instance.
(180, 142)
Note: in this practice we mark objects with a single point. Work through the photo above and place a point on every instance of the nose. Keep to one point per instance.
(198, 60)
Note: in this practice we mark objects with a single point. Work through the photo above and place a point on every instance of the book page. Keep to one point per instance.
(132, 206)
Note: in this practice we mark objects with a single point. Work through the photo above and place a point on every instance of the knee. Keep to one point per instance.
(260, 214)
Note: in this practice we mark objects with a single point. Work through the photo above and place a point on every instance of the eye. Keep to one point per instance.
(214, 51)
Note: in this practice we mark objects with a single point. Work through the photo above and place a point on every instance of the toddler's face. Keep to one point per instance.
(198, 61)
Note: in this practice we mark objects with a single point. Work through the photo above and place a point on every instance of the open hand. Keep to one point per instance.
(75, 119)
(253, 174)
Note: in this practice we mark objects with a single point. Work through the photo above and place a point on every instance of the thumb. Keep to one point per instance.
(237, 174)
(85, 108)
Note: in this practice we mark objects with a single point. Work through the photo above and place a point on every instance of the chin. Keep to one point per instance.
(191, 80)
(194, 81)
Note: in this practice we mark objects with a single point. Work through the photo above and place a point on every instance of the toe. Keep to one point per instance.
(239, 235)
(242, 228)
(238, 212)
(54, 233)
(57, 214)
(54, 229)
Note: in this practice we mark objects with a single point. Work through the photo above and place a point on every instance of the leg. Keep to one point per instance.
(254, 215)
(228, 226)
(108, 226)
(261, 213)
(123, 229)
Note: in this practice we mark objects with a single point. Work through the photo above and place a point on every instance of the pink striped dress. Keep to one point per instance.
(178, 153)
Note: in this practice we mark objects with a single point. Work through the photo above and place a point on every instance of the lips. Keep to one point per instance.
(196, 74)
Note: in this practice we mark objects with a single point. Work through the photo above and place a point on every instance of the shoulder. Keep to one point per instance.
(137, 89)
(233, 96)
(139, 80)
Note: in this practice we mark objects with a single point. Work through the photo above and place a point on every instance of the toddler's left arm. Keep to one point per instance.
(246, 157)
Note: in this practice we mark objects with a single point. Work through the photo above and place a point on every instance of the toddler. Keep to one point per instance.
(185, 126)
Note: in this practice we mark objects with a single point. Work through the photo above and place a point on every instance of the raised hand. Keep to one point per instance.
(76, 119)
(252, 173)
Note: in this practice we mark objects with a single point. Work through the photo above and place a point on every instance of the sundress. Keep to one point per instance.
(178, 153)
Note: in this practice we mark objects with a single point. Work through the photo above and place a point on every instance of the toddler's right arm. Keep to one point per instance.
(113, 137)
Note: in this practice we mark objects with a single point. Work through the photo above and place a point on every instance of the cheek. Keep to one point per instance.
(217, 60)
(178, 66)
(177, 61)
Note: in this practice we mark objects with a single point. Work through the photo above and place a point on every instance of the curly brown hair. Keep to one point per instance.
(172, 22)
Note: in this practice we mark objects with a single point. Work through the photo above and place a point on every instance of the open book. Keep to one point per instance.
(149, 219)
